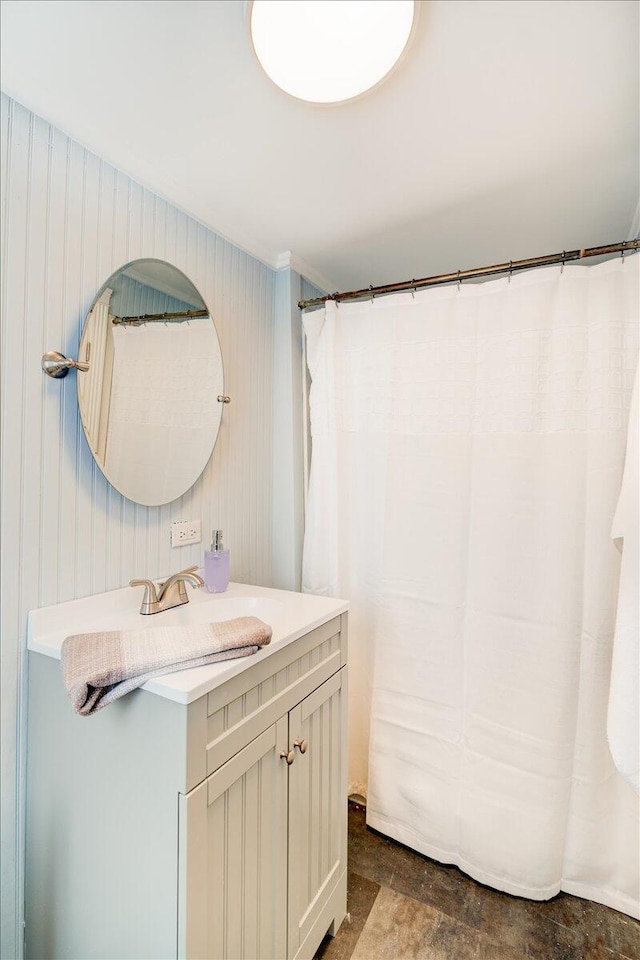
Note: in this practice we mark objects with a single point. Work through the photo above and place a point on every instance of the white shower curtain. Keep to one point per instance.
(467, 455)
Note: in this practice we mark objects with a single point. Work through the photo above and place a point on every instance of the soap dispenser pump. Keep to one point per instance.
(216, 565)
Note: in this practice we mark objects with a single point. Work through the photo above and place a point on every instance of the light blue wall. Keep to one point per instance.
(69, 220)
(308, 291)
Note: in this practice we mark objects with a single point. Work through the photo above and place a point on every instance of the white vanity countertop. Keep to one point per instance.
(290, 616)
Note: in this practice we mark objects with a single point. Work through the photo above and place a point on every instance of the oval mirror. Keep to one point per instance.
(149, 400)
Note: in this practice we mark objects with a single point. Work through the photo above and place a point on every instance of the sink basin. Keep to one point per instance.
(207, 607)
(290, 615)
(246, 607)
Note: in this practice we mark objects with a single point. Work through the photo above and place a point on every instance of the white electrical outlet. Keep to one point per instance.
(184, 532)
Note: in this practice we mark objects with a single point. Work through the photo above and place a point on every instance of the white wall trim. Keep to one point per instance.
(289, 260)
(287, 433)
(635, 223)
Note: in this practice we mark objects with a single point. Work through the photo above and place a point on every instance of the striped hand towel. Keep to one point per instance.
(98, 668)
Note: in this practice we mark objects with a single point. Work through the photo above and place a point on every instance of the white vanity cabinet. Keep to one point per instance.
(213, 829)
(263, 838)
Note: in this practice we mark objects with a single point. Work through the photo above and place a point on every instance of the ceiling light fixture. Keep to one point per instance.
(328, 51)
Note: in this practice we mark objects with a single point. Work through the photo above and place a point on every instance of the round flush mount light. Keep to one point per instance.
(328, 51)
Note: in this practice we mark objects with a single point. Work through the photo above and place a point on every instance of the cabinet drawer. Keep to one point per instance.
(242, 708)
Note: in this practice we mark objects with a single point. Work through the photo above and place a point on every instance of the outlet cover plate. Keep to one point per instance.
(185, 531)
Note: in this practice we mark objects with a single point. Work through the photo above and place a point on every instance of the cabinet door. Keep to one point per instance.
(233, 856)
(317, 811)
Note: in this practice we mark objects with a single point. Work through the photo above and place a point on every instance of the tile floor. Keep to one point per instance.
(404, 906)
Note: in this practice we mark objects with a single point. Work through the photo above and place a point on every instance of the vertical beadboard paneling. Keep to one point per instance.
(12, 340)
(68, 221)
(308, 291)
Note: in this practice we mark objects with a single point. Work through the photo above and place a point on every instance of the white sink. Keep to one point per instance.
(218, 606)
(290, 615)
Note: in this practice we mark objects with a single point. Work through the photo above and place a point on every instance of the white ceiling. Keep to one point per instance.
(511, 129)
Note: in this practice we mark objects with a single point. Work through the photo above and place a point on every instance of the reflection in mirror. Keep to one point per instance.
(148, 401)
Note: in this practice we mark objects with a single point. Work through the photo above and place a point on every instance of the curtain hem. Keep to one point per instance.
(614, 899)
(407, 836)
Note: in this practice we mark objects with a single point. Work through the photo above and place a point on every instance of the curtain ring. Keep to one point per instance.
(371, 288)
(564, 253)
(413, 292)
(623, 251)
(510, 269)
(459, 281)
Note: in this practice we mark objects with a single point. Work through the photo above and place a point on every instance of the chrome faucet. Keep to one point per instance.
(171, 593)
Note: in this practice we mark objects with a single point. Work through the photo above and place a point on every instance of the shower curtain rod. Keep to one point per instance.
(161, 317)
(460, 275)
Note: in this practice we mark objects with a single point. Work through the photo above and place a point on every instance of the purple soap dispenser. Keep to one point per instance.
(216, 565)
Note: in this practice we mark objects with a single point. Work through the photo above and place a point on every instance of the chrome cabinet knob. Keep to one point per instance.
(288, 755)
(302, 745)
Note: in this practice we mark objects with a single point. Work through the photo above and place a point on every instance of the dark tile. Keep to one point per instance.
(596, 951)
(564, 928)
(520, 924)
(401, 928)
(398, 928)
(370, 854)
(611, 929)
(488, 950)
(391, 864)
(361, 895)
(332, 947)
(453, 940)
(444, 887)
(565, 910)
(600, 927)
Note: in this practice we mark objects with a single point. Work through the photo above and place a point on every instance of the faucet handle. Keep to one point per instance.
(150, 602)
(174, 577)
(180, 573)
